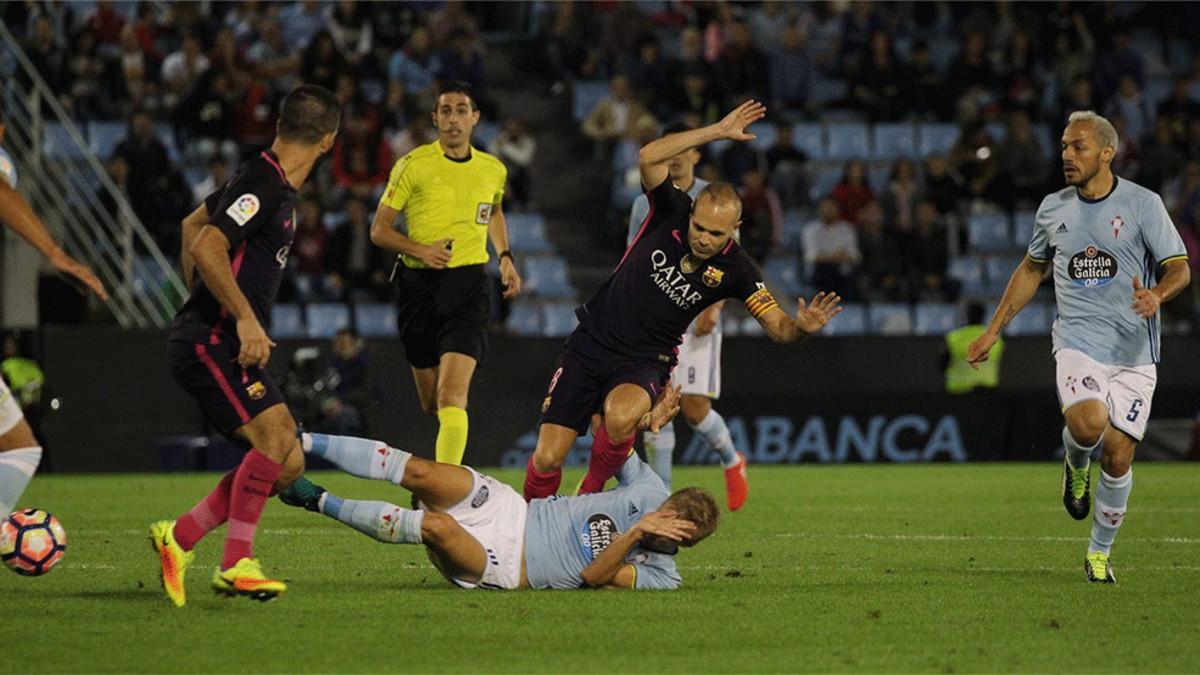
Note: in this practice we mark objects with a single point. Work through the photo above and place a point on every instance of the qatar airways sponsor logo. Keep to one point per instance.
(672, 282)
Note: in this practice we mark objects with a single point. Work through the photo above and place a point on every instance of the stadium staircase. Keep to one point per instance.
(62, 177)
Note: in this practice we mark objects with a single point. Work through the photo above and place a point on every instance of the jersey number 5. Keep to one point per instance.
(1134, 410)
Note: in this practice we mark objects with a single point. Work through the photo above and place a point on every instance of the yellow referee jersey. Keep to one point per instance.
(445, 198)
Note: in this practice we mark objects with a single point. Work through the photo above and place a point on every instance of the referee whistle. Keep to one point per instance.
(449, 244)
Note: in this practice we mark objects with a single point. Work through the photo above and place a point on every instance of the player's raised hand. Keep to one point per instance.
(666, 524)
(256, 346)
(664, 410)
(734, 125)
(437, 254)
(81, 275)
(509, 278)
(1145, 301)
(979, 349)
(812, 318)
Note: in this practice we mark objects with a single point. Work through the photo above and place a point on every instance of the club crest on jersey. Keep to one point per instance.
(712, 276)
(256, 391)
(483, 214)
(1092, 267)
(243, 209)
(1117, 224)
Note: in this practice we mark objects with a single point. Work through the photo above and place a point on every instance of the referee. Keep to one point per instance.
(450, 193)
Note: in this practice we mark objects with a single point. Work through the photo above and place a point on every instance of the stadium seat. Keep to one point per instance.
(878, 175)
(893, 141)
(103, 138)
(375, 319)
(525, 319)
(809, 137)
(1022, 228)
(57, 143)
(824, 91)
(942, 51)
(527, 233)
(998, 270)
(558, 319)
(1158, 89)
(968, 270)
(783, 274)
(935, 318)
(325, 319)
(1036, 318)
(483, 134)
(852, 320)
(765, 134)
(792, 237)
(546, 276)
(848, 140)
(890, 318)
(989, 232)
(935, 138)
(824, 180)
(585, 95)
(166, 134)
(287, 321)
(1048, 140)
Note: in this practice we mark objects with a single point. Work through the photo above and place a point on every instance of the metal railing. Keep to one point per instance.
(64, 181)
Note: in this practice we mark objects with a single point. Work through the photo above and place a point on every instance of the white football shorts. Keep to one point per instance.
(699, 367)
(1126, 390)
(495, 515)
(10, 411)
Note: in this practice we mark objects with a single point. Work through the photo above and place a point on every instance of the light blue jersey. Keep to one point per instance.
(8, 169)
(1098, 247)
(563, 535)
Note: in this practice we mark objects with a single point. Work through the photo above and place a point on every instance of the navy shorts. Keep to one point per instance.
(229, 395)
(443, 311)
(587, 371)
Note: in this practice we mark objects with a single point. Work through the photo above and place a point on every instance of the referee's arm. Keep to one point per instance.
(498, 232)
(385, 235)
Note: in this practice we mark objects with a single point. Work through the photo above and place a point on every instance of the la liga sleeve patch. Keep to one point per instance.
(243, 209)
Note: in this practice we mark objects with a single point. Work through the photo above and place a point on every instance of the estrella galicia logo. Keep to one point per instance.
(1092, 267)
(598, 532)
(480, 498)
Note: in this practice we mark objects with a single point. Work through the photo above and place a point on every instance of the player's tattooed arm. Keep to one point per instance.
(655, 156)
(1020, 290)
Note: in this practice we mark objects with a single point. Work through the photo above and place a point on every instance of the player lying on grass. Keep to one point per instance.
(481, 533)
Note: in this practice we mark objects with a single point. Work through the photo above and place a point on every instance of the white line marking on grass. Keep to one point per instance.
(973, 537)
(744, 569)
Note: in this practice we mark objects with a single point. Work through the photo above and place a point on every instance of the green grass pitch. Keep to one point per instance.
(853, 568)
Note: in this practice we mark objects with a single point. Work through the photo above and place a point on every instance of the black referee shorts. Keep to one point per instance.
(443, 311)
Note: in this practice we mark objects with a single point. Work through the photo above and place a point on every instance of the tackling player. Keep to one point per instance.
(20, 453)
(1107, 240)
(682, 261)
(238, 242)
(481, 534)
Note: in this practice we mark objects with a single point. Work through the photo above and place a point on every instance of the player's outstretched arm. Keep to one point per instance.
(1176, 277)
(809, 318)
(1020, 290)
(16, 214)
(654, 157)
(211, 253)
(609, 569)
(384, 235)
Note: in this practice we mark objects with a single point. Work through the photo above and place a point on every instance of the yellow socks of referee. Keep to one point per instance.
(452, 435)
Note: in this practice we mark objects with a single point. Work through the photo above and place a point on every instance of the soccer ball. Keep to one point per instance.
(32, 542)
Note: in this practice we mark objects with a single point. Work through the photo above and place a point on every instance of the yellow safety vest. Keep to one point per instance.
(960, 376)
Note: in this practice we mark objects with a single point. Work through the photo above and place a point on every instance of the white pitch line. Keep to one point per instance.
(860, 568)
(973, 537)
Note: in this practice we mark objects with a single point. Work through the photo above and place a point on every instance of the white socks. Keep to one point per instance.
(1078, 456)
(360, 457)
(16, 469)
(714, 431)
(660, 450)
(380, 521)
(1108, 511)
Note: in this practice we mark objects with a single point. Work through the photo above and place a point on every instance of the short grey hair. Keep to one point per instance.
(1106, 133)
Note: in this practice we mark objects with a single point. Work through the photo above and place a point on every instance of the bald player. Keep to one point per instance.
(682, 260)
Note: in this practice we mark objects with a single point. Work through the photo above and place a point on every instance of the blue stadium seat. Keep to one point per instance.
(968, 270)
(878, 175)
(375, 319)
(104, 136)
(527, 233)
(58, 144)
(1158, 89)
(809, 137)
(1023, 228)
(325, 319)
(765, 134)
(989, 232)
(546, 276)
(166, 134)
(1048, 140)
(824, 180)
(525, 319)
(824, 91)
(585, 95)
(998, 270)
(852, 320)
(792, 236)
(935, 318)
(483, 134)
(1036, 318)
(848, 140)
(890, 318)
(783, 274)
(558, 319)
(287, 321)
(895, 140)
(935, 138)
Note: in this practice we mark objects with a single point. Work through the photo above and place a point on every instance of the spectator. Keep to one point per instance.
(691, 60)
(972, 69)
(928, 255)
(1179, 108)
(831, 251)
(118, 172)
(322, 61)
(876, 87)
(308, 251)
(48, 58)
(182, 68)
(738, 158)
(419, 131)
(1080, 96)
(1074, 50)
(742, 68)
(342, 408)
(106, 23)
(566, 37)
(205, 117)
(650, 76)
(941, 185)
(361, 160)
(903, 189)
(881, 273)
(351, 31)
(138, 90)
(355, 264)
(1116, 62)
(696, 98)
(973, 157)
(858, 24)
(218, 174)
(786, 167)
(791, 72)
(148, 162)
(450, 20)
(301, 22)
(515, 146)
(924, 92)
(762, 216)
(1022, 84)
(90, 97)
(414, 65)
(1021, 164)
(275, 60)
(463, 62)
(614, 116)
(1131, 105)
(852, 192)
(1161, 158)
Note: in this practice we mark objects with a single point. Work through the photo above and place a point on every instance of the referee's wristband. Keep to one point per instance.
(506, 254)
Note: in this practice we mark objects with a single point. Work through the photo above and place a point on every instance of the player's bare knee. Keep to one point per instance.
(436, 528)
(694, 409)
(546, 459)
(621, 424)
(1087, 425)
(451, 399)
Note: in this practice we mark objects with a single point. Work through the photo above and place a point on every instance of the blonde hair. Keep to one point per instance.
(697, 506)
(1106, 133)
